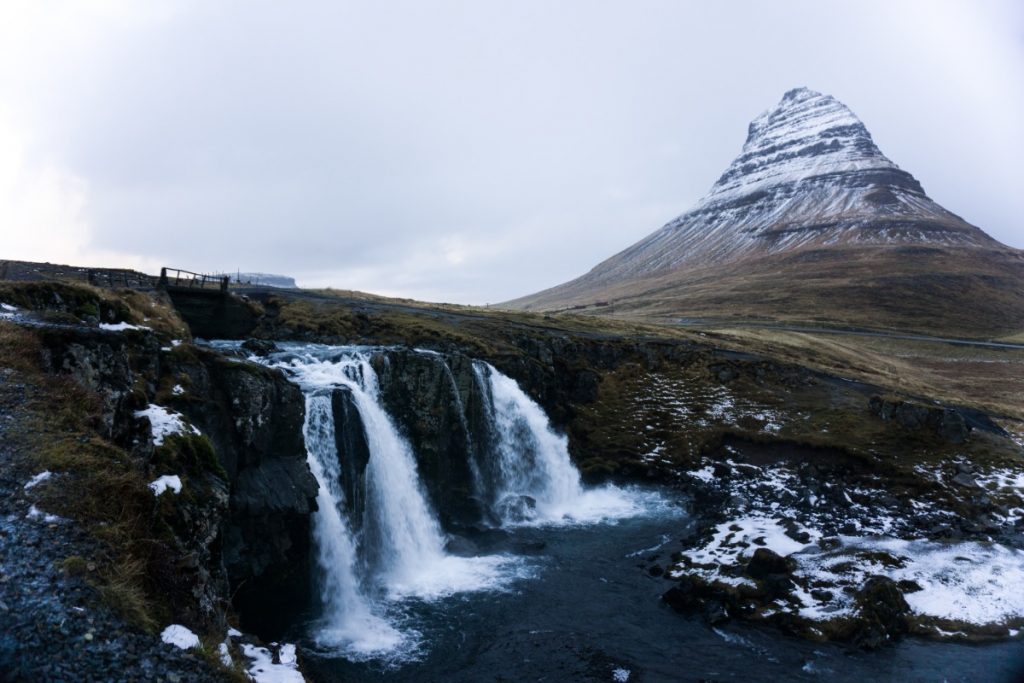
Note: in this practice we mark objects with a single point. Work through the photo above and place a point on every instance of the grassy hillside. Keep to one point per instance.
(964, 292)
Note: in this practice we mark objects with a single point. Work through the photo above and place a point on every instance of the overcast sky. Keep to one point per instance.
(461, 151)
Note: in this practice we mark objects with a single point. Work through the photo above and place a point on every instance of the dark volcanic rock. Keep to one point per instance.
(211, 314)
(882, 613)
(949, 424)
(425, 394)
(261, 347)
(107, 364)
(765, 563)
(254, 417)
(353, 453)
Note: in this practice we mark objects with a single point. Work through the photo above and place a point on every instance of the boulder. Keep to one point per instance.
(765, 563)
(260, 347)
(948, 424)
(882, 613)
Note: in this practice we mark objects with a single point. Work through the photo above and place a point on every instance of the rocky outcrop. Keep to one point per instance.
(212, 314)
(117, 368)
(254, 418)
(426, 395)
(120, 370)
(353, 453)
(241, 525)
(882, 613)
(948, 424)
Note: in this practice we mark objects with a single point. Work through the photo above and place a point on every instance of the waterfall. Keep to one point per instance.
(348, 616)
(399, 549)
(402, 535)
(531, 478)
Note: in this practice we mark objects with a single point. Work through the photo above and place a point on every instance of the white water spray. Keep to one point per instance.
(534, 480)
(399, 552)
(349, 620)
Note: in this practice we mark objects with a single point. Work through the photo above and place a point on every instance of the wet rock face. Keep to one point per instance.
(427, 396)
(122, 370)
(254, 418)
(195, 569)
(353, 453)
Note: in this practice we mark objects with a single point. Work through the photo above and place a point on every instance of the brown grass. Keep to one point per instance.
(73, 303)
(991, 380)
(110, 494)
(973, 293)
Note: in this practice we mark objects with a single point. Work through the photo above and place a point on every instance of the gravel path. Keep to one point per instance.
(52, 625)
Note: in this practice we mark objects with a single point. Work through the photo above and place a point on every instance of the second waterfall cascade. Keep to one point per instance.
(373, 560)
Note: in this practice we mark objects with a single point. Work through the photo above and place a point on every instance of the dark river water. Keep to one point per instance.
(592, 613)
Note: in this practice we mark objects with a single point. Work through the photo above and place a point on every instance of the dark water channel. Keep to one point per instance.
(592, 613)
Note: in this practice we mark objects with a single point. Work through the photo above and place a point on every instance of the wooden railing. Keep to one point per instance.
(176, 277)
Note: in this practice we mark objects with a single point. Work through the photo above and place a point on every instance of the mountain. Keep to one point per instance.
(810, 222)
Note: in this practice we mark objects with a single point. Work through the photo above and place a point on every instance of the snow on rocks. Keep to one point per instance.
(37, 514)
(7, 311)
(180, 637)
(165, 422)
(177, 390)
(969, 582)
(706, 474)
(833, 544)
(224, 653)
(262, 669)
(735, 540)
(167, 481)
(121, 327)
(38, 479)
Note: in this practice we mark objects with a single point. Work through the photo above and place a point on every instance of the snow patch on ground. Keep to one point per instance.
(972, 582)
(121, 327)
(263, 670)
(668, 399)
(620, 675)
(36, 513)
(178, 390)
(841, 534)
(168, 481)
(734, 541)
(165, 422)
(225, 655)
(705, 474)
(179, 636)
(38, 479)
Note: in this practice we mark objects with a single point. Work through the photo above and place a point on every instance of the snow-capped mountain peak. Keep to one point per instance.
(809, 175)
(807, 134)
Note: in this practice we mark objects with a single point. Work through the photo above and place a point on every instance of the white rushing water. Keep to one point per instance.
(349, 619)
(533, 480)
(397, 552)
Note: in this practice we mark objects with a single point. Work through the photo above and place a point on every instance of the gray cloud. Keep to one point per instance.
(474, 152)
